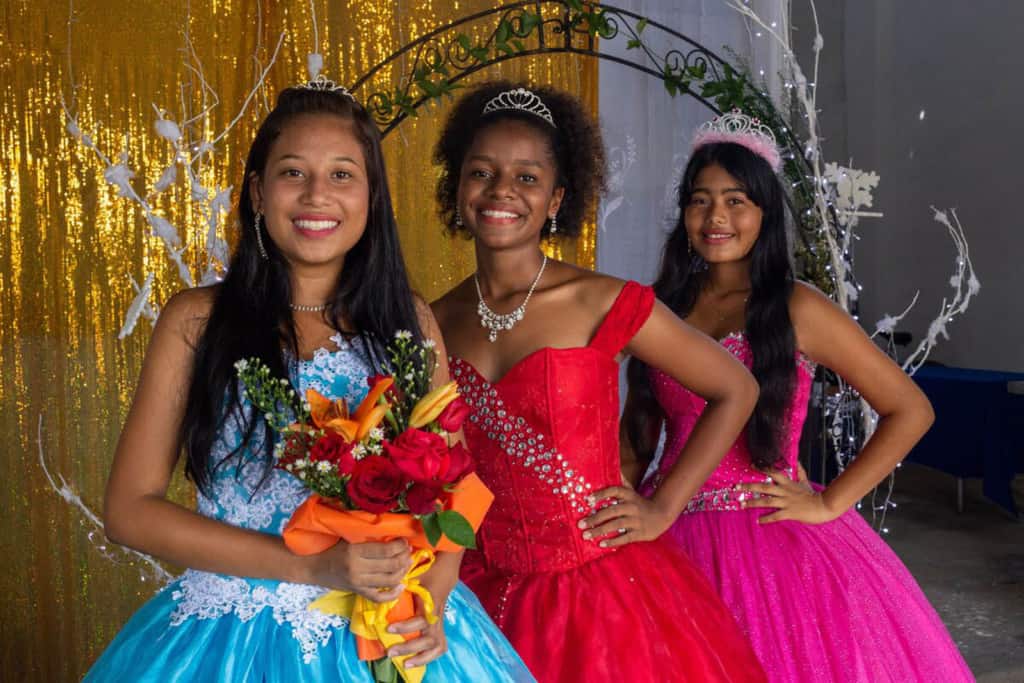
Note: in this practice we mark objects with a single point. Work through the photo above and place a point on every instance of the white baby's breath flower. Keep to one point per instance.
(358, 451)
(270, 417)
(409, 377)
(429, 344)
(301, 463)
(403, 334)
(323, 467)
(376, 434)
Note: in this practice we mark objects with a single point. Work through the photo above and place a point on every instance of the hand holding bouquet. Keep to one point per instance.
(389, 469)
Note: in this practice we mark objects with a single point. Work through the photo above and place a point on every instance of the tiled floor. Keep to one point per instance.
(970, 565)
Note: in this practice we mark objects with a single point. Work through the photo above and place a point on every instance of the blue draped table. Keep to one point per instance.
(978, 430)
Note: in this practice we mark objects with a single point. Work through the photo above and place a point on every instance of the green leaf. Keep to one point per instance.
(641, 25)
(710, 89)
(432, 528)
(457, 529)
(505, 47)
(576, 5)
(530, 22)
(519, 44)
(464, 41)
(479, 53)
(633, 44)
(503, 33)
(427, 88)
(384, 670)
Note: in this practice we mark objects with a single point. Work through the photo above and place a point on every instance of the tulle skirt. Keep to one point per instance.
(227, 649)
(642, 613)
(827, 602)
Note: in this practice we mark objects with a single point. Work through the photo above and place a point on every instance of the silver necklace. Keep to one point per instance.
(308, 309)
(495, 322)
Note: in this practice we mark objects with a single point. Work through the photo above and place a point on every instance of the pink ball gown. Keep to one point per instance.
(828, 602)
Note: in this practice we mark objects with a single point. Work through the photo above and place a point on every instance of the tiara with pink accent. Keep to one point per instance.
(740, 129)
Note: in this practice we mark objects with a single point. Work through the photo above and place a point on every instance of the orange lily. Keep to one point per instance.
(334, 415)
(371, 399)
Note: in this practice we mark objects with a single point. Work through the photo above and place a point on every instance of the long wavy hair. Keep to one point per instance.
(769, 330)
(251, 316)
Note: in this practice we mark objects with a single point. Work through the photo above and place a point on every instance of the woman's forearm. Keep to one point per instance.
(894, 436)
(170, 532)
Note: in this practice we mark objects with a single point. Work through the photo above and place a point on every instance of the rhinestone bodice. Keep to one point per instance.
(545, 436)
(682, 409)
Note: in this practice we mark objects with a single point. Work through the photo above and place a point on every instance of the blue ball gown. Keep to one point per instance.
(213, 627)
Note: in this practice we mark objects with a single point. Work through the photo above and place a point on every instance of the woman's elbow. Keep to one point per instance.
(116, 520)
(927, 414)
(750, 391)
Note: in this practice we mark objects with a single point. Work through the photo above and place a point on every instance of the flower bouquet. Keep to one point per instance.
(388, 469)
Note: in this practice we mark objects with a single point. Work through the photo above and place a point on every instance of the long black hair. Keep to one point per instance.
(574, 140)
(769, 330)
(251, 317)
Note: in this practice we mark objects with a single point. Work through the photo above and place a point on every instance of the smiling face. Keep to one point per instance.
(507, 185)
(314, 192)
(721, 221)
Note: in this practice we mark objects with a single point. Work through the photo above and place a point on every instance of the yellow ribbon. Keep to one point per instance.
(369, 619)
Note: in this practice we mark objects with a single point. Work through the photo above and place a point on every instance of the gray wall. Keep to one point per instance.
(962, 63)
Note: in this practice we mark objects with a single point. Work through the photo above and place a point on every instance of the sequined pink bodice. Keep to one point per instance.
(682, 408)
(546, 435)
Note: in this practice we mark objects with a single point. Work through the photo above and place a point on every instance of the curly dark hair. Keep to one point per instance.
(575, 143)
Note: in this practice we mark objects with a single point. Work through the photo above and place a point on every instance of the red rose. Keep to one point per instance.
(453, 415)
(421, 498)
(296, 446)
(419, 454)
(333, 448)
(376, 484)
(457, 464)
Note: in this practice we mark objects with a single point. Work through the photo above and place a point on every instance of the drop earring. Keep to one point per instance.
(259, 237)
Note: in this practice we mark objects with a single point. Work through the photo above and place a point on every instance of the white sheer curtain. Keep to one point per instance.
(647, 131)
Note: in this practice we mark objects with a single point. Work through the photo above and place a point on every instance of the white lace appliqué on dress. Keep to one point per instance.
(241, 497)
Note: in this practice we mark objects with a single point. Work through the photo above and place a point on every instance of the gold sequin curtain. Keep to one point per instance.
(69, 246)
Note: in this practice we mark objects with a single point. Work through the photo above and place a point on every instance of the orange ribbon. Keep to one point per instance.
(318, 524)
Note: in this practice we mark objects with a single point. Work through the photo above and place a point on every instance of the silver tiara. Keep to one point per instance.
(519, 99)
(324, 84)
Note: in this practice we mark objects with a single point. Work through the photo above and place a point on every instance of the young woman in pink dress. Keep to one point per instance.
(583, 589)
(818, 593)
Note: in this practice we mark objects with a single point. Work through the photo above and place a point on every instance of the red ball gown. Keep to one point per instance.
(545, 436)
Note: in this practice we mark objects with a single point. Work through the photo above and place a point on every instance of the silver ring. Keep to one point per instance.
(621, 530)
